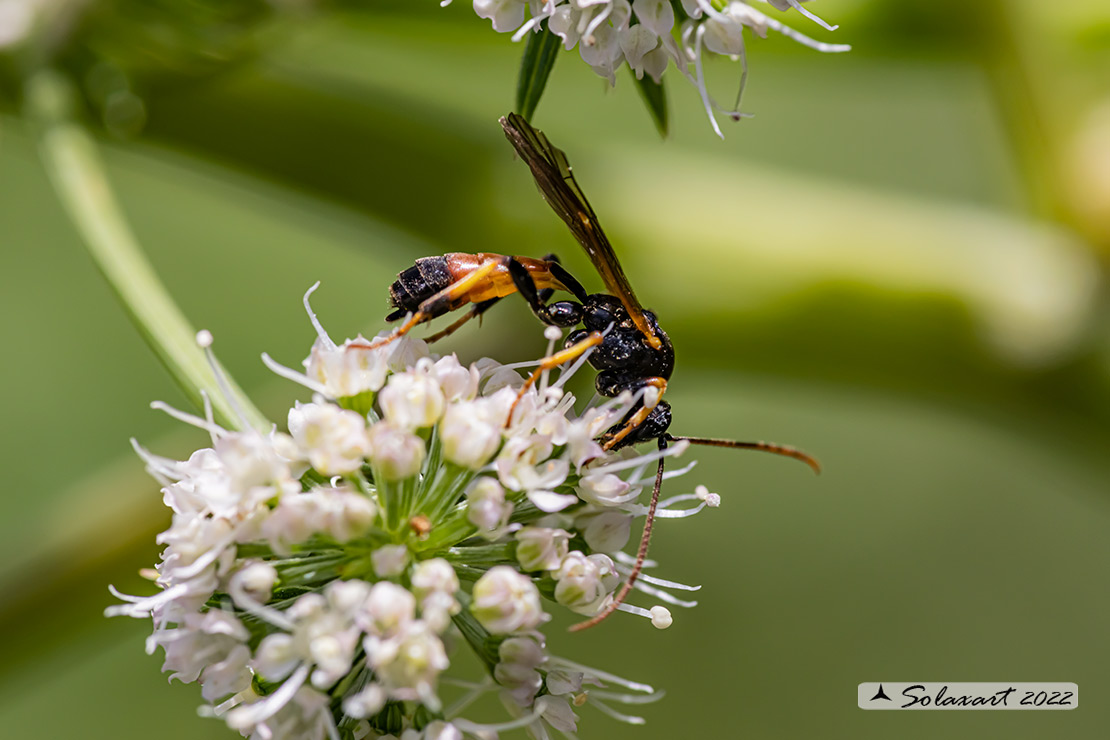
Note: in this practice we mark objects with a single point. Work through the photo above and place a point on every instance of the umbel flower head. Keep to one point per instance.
(650, 35)
(318, 582)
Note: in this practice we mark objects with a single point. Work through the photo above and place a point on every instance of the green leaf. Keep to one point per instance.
(540, 51)
(655, 98)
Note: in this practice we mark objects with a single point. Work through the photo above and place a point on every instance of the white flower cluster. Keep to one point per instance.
(313, 581)
(648, 35)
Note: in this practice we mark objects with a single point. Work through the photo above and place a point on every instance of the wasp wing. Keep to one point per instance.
(556, 182)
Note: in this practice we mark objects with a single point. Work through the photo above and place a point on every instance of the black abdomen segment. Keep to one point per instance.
(417, 284)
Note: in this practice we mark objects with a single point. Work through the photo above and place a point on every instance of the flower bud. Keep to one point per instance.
(388, 608)
(469, 434)
(486, 507)
(412, 399)
(390, 560)
(541, 548)
(581, 582)
(505, 601)
(605, 489)
(606, 530)
(395, 453)
(457, 382)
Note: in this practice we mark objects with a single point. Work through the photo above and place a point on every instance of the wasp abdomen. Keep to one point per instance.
(419, 283)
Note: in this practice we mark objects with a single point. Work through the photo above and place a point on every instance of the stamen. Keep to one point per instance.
(475, 692)
(163, 465)
(664, 596)
(244, 601)
(320, 331)
(678, 513)
(290, 374)
(210, 427)
(625, 559)
(208, 416)
(556, 661)
(668, 584)
(626, 698)
(204, 340)
(626, 718)
(552, 334)
(676, 449)
(248, 715)
(475, 727)
(701, 80)
(640, 481)
(798, 7)
(804, 40)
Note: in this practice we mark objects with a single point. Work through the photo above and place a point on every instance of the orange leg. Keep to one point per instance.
(435, 306)
(448, 331)
(637, 418)
(553, 361)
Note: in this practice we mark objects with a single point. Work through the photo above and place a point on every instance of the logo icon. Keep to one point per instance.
(881, 694)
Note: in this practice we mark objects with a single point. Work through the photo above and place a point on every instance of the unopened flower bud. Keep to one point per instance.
(412, 400)
(390, 560)
(505, 601)
(541, 548)
(395, 453)
(470, 435)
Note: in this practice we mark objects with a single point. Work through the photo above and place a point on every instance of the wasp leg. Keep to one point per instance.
(526, 286)
(641, 553)
(477, 311)
(437, 305)
(612, 440)
(553, 361)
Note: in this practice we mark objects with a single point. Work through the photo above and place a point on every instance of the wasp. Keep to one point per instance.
(630, 351)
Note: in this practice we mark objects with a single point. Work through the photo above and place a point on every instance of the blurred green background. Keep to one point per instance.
(898, 265)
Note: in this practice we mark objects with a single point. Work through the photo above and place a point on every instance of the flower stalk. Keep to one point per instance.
(73, 163)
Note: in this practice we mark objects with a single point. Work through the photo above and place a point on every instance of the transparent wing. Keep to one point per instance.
(556, 182)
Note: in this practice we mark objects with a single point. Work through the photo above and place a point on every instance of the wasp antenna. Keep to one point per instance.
(641, 554)
(777, 449)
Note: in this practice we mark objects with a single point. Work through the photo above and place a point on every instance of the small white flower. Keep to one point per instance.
(584, 582)
(333, 439)
(365, 703)
(458, 382)
(390, 560)
(408, 664)
(516, 670)
(348, 370)
(255, 582)
(506, 15)
(435, 584)
(541, 548)
(605, 489)
(440, 730)
(413, 399)
(556, 711)
(505, 601)
(471, 432)
(388, 609)
(395, 453)
(486, 507)
(605, 531)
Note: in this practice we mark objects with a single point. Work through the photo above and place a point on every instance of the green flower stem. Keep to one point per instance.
(76, 171)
